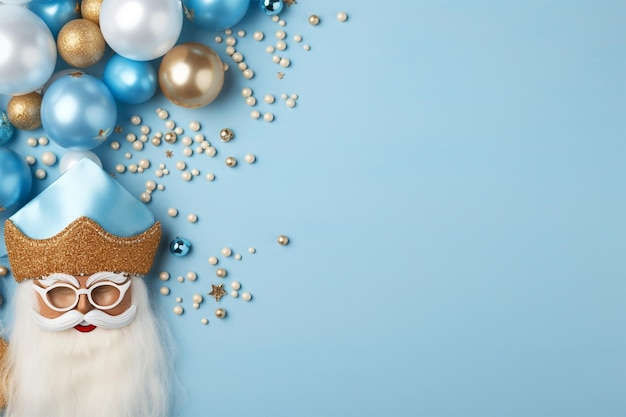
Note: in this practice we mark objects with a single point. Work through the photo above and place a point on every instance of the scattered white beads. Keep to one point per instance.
(290, 102)
(227, 251)
(43, 141)
(115, 145)
(179, 300)
(120, 168)
(32, 142)
(196, 298)
(181, 165)
(194, 125)
(251, 250)
(285, 62)
(241, 33)
(178, 310)
(258, 36)
(218, 39)
(180, 279)
(204, 321)
(40, 174)
(210, 176)
(268, 117)
(186, 176)
(251, 101)
(342, 16)
(269, 99)
(164, 276)
(248, 74)
(280, 34)
(306, 47)
(297, 38)
(213, 260)
(211, 151)
(136, 120)
(145, 197)
(30, 160)
(164, 290)
(162, 114)
(238, 257)
(246, 296)
(255, 114)
(234, 294)
(192, 276)
(246, 92)
(281, 45)
(250, 158)
(235, 285)
(48, 158)
(192, 218)
(172, 212)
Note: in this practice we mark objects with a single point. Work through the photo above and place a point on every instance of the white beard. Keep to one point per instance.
(103, 373)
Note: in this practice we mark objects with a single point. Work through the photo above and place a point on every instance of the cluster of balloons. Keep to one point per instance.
(77, 110)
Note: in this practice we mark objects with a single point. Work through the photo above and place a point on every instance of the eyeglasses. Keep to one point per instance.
(64, 297)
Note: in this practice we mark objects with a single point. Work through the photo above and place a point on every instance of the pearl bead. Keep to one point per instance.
(231, 162)
(211, 151)
(196, 298)
(155, 141)
(250, 158)
(194, 125)
(285, 62)
(238, 257)
(163, 114)
(251, 250)
(199, 138)
(150, 185)
(275, 59)
(4, 271)
(235, 285)
(241, 33)
(179, 300)
(342, 16)
(275, 18)
(205, 144)
(48, 158)
(192, 218)
(131, 137)
(32, 142)
(213, 260)
(187, 152)
(258, 36)
(248, 74)
(283, 240)
(143, 138)
(246, 296)
(268, 117)
(160, 187)
(30, 160)
(144, 163)
(290, 103)
(246, 92)
(164, 276)
(227, 251)
(314, 20)
(231, 41)
(269, 49)
(40, 174)
(195, 172)
(230, 50)
(251, 101)
(115, 145)
(164, 291)
(186, 141)
(220, 313)
(180, 246)
(43, 141)
(297, 38)
(294, 96)
(145, 197)
(170, 124)
(237, 57)
(145, 129)
(196, 305)
(255, 114)
(281, 45)
(186, 176)
(158, 173)
(137, 145)
(178, 310)
(218, 39)
(204, 321)
(284, 96)
(120, 168)
(225, 66)
(221, 272)
(269, 99)
(210, 176)
(242, 66)
(166, 172)
(136, 120)
(234, 294)
(280, 34)
(199, 149)
(140, 170)
(180, 279)
(181, 165)
(132, 168)
(306, 47)
(161, 166)
(281, 22)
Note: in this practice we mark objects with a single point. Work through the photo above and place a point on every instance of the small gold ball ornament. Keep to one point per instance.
(24, 111)
(221, 272)
(220, 313)
(80, 43)
(4, 271)
(90, 10)
(314, 19)
(283, 240)
(231, 162)
(226, 135)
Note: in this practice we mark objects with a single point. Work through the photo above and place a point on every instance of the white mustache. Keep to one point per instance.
(96, 317)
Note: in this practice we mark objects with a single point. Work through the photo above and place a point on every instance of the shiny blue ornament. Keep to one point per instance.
(215, 14)
(271, 7)
(6, 128)
(78, 112)
(15, 179)
(180, 247)
(129, 81)
(55, 13)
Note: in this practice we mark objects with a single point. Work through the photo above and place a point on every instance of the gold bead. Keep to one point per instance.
(220, 313)
(4, 271)
(314, 19)
(221, 272)
(226, 135)
(80, 43)
(231, 162)
(90, 10)
(283, 240)
(170, 137)
(24, 111)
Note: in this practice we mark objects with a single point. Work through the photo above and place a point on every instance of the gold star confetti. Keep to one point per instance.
(102, 135)
(169, 154)
(217, 291)
(280, 75)
(289, 3)
(189, 14)
(77, 74)
(118, 129)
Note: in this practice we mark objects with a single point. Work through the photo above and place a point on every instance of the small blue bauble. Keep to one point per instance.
(6, 128)
(180, 247)
(271, 7)
(55, 13)
(215, 14)
(131, 82)
(15, 179)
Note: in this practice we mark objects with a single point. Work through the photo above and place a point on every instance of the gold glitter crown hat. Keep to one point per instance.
(84, 222)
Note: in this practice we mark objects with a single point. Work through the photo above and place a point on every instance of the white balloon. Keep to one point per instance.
(15, 1)
(141, 30)
(71, 158)
(28, 52)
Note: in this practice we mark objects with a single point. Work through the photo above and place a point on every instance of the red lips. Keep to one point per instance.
(84, 329)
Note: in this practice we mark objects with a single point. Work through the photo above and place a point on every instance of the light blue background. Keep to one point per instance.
(452, 181)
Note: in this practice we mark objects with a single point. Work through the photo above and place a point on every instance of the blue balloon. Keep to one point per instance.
(16, 179)
(55, 13)
(215, 14)
(6, 128)
(78, 112)
(129, 81)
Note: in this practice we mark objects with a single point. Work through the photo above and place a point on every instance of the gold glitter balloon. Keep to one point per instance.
(191, 75)
(24, 111)
(80, 43)
(90, 10)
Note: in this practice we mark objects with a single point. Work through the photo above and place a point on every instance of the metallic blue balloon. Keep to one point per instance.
(271, 7)
(78, 112)
(55, 13)
(15, 179)
(6, 128)
(215, 14)
(129, 81)
(180, 246)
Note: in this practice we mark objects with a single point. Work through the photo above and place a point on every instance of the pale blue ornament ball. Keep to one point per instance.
(215, 14)
(6, 128)
(15, 179)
